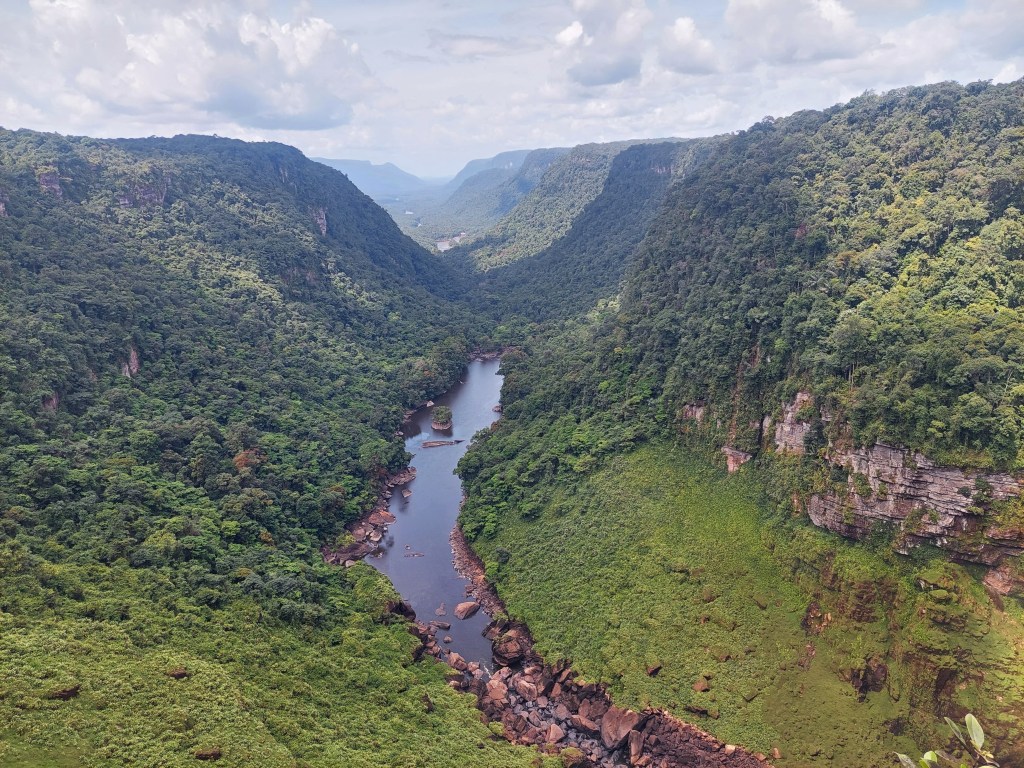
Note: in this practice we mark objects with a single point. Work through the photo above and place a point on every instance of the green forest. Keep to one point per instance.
(868, 255)
(207, 347)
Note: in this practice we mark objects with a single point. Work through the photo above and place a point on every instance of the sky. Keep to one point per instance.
(431, 84)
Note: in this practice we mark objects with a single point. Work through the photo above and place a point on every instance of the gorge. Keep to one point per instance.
(758, 465)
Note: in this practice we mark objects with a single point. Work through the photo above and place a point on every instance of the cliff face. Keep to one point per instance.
(791, 431)
(947, 507)
(928, 503)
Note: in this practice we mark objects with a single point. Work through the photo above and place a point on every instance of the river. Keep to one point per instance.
(416, 553)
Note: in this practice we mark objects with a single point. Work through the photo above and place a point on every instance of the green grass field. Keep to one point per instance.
(661, 558)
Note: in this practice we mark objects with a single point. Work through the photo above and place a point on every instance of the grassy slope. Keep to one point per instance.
(620, 582)
(265, 695)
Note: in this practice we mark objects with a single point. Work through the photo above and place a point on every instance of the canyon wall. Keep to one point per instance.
(906, 492)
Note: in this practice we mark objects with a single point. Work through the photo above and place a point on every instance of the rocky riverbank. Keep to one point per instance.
(546, 705)
(369, 530)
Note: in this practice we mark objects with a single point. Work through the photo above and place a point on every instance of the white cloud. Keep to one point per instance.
(462, 46)
(570, 35)
(614, 36)
(684, 50)
(206, 64)
(429, 84)
(787, 31)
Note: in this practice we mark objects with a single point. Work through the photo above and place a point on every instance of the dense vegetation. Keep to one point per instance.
(586, 264)
(475, 200)
(571, 182)
(869, 253)
(872, 252)
(205, 349)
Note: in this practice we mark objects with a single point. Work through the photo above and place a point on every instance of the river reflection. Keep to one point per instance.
(416, 554)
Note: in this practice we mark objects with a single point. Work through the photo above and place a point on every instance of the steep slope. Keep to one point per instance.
(835, 295)
(482, 199)
(548, 212)
(475, 200)
(205, 349)
(586, 264)
(508, 162)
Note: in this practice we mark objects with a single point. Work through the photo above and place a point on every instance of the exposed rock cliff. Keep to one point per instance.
(928, 503)
(791, 431)
(49, 182)
(735, 458)
(143, 195)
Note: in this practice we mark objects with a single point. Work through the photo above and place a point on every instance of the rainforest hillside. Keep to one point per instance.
(555, 274)
(547, 213)
(206, 347)
(833, 297)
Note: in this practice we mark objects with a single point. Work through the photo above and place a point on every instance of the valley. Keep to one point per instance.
(757, 466)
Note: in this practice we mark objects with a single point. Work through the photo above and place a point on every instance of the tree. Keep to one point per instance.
(441, 417)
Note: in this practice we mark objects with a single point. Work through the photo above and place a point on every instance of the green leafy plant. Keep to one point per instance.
(972, 738)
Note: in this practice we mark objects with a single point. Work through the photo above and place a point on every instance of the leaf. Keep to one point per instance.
(956, 731)
(929, 760)
(975, 731)
(905, 761)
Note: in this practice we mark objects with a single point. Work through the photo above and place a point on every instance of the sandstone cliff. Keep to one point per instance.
(902, 490)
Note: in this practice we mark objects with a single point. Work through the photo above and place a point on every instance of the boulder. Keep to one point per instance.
(466, 609)
(636, 746)
(616, 725)
(455, 661)
(555, 734)
(526, 689)
(509, 648)
(584, 724)
(497, 691)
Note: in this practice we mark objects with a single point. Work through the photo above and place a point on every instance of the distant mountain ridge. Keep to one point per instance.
(475, 200)
(509, 162)
(376, 179)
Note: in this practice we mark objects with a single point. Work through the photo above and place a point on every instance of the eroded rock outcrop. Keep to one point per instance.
(792, 430)
(132, 365)
(693, 411)
(906, 492)
(735, 458)
(145, 195)
(320, 217)
(925, 502)
(49, 182)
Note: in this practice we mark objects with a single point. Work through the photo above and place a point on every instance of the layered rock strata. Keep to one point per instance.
(898, 489)
(927, 503)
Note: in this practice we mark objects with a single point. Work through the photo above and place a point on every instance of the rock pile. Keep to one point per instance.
(369, 531)
(546, 705)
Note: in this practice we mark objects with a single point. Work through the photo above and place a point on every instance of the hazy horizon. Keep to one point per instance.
(429, 86)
